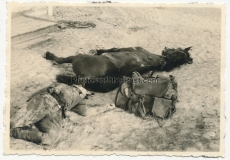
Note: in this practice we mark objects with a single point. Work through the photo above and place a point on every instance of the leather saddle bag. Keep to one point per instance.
(156, 96)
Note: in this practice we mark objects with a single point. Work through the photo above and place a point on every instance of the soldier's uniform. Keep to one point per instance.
(45, 110)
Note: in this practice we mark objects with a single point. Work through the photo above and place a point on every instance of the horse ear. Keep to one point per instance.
(187, 49)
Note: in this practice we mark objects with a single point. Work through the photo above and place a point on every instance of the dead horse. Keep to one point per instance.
(102, 71)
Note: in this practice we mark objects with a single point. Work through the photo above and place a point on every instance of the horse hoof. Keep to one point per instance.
(190, 62)
(49, 56)
(55, 63)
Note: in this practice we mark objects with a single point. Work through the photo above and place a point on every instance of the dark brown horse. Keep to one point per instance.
(102, 72)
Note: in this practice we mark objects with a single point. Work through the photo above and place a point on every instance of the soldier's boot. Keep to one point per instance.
(49, 138)
(28, 135)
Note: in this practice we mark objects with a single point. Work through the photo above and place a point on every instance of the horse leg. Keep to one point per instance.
(141, 50)
(59, 60)
(100, 51)
(67, 79)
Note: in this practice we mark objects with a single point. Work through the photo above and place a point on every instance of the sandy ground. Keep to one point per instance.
(195, 125)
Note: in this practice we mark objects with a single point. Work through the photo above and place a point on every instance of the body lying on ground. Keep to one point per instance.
(116, 63)
(42, 118)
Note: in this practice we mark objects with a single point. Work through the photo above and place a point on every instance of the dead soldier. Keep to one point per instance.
(42, 118)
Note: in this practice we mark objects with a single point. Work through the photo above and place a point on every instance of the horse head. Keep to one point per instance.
(176, 57)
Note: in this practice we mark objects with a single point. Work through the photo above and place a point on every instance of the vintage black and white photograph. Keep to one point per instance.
(131, 79)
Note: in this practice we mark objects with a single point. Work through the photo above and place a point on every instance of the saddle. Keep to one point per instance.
(156, 96)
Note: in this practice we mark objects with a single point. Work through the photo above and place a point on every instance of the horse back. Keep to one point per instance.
(135, 60)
